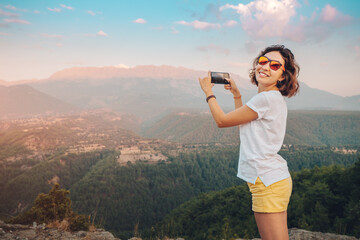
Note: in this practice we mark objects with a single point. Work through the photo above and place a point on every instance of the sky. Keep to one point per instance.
(41, 37)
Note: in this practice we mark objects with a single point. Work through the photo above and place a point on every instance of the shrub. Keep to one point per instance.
(51, 208)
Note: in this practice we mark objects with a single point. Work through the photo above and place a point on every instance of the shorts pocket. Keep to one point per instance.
(282, 188)
(257, 188)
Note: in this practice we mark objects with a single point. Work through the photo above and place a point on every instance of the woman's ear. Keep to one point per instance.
(282, 77)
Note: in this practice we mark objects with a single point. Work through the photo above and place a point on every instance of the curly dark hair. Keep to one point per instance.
(290, 85)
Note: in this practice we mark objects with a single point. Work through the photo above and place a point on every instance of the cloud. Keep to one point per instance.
(10, 7)
(15, 8)
(66, 7)
(214, 48)
(56, 36)
(91, 13)
(158, 28)
(230, 23)
(264, 18)
(8, 14)
(98, 34)
(4, 34)
(36, 12)
(174, 30)
(261, 19)
(55, 9)
(16, 20)
(140, 20)
(101, 33)
(199, 25)
(319, 26)
(333, 17)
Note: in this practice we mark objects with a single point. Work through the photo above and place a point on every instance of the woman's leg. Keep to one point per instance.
(272, 226)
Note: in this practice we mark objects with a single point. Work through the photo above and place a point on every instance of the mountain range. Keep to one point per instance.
(145, 91)
(23, 100)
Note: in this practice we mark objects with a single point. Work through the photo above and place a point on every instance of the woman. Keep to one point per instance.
(262, 129)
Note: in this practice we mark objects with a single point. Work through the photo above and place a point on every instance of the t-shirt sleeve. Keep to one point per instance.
(259, 104)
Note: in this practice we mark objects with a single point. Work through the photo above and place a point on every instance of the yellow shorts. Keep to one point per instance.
(270, 199)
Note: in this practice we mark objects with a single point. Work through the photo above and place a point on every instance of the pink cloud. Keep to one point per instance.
(8, 14)
(11, 7)
(16, 20)
(140, 20)
(264, 18)
(174, 30)
(55, 9)
(332, 16)
(199, 25)
(98, 34)
(66, 7)
(15, 8)
(91, 13)
(319, 26)
(230, 23)
(275, 18)
(56, 36)
(101, 33)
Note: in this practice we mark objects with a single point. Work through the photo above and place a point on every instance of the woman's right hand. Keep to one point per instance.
(232, 87)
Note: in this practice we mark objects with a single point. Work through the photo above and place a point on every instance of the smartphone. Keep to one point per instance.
(219, 77)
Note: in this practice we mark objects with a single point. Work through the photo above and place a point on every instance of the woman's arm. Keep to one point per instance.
(241, 115)
(235, 91)
(238, 102)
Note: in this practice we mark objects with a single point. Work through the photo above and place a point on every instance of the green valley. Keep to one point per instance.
(130, 185)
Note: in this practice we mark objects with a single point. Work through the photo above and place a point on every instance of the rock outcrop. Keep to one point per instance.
(41, 232)
(300, 234)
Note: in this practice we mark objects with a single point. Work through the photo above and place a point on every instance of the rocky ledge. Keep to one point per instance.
(41, 232)
(300, 234)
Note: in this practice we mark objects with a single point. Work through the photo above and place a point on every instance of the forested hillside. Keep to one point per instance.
(318, 128)
(324, 199)
(23, 180)
(122, 197)
(142, 194)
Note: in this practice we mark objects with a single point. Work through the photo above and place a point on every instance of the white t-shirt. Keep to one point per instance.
(262, 139)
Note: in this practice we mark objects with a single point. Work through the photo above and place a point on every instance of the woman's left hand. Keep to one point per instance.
(206, 84)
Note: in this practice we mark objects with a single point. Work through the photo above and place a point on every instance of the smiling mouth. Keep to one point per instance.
(263, 74)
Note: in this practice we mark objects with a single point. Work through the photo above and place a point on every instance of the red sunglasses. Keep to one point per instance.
(274, 65)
